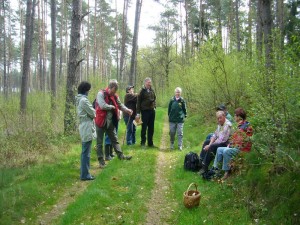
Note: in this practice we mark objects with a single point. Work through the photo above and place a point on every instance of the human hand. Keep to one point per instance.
(113, 107)
(129, 111)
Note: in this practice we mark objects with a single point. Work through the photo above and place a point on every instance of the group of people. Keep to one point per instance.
(103, 117)
(225, 143)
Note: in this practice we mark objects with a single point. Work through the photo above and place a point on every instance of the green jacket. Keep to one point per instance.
(86, 114)
(177, 110)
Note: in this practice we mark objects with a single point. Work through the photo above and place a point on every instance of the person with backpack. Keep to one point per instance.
(239, 141)
(108, 105)
(146, 104)
(219, 139)
(86, 114)
(176, 113)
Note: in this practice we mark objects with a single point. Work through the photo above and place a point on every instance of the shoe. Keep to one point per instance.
(180, 148)
(213, 171)
(172, 146)
(108, 158)
(205, 176)
(226, 175)
(201, 171)
(112, 155)
(102, 164)
(123, 157)
(152, 146)
(88, 178)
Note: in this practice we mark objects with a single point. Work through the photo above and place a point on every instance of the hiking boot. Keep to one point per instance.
(206, 176)
(152, 146)
(123, 157)
(172, 146)
(180, 148)
(213, 171)
(101, 163)
(108, 158)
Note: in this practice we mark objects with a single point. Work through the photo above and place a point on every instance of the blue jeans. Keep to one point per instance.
(225, 154)
(130, 130)
(85, 160)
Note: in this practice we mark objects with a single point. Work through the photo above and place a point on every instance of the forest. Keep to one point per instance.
(242, 53)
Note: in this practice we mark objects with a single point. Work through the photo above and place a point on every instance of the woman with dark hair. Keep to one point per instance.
(239, 141)
(86, 114)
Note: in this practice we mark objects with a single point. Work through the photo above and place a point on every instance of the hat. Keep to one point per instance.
(128, 88)
(221, 107)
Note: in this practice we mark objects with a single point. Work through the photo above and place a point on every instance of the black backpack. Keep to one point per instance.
(191, 162)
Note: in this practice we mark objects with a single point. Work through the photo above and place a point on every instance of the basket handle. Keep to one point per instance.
(191, 185)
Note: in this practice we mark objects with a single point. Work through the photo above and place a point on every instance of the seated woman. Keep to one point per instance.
(239, 141)
(219, 139)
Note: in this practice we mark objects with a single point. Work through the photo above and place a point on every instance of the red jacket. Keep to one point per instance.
(241, 137)
(100, 113)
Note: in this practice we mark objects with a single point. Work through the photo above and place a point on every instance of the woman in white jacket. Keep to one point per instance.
(86, 114)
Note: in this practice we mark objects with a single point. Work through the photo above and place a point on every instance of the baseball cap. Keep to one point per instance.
(221, 107)
(128, 88)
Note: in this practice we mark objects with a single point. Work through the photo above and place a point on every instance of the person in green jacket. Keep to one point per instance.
(177, 112)
(86, 114)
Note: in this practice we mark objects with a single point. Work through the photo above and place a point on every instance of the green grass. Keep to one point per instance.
(121, 191)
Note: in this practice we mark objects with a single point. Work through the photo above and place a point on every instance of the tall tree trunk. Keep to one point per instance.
(280, 21)
(40, 51)
(259, 31)
(95, 40)
(249, 39)
(73, 66)
(53, 53)
(124, 36)
(267, 31)
(30, 11)
(3, 31)
(61, 40)
(132, 74)
(117, 37)
(187, 43)
(238, 36)
(219, 21)
(21, 33)
(88, 45)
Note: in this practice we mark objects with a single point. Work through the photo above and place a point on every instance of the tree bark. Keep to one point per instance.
(267, 31)
(53, 53)
(259, 31)
(124, 35)
(73, 67)
(3, 31)
(238, 36)
(30, 12)
(133, 63)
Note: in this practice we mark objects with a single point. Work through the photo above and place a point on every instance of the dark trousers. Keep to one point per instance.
(148, 118)
(209, 155)
(112, 134)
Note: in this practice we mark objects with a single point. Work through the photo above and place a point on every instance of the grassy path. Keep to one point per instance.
(159, 209)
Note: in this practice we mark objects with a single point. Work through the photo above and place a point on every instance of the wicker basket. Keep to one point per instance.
(191, 198)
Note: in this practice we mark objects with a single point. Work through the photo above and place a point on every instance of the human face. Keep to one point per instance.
(148, 84)
(221, 120)
(112, 91)
(177, 94)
